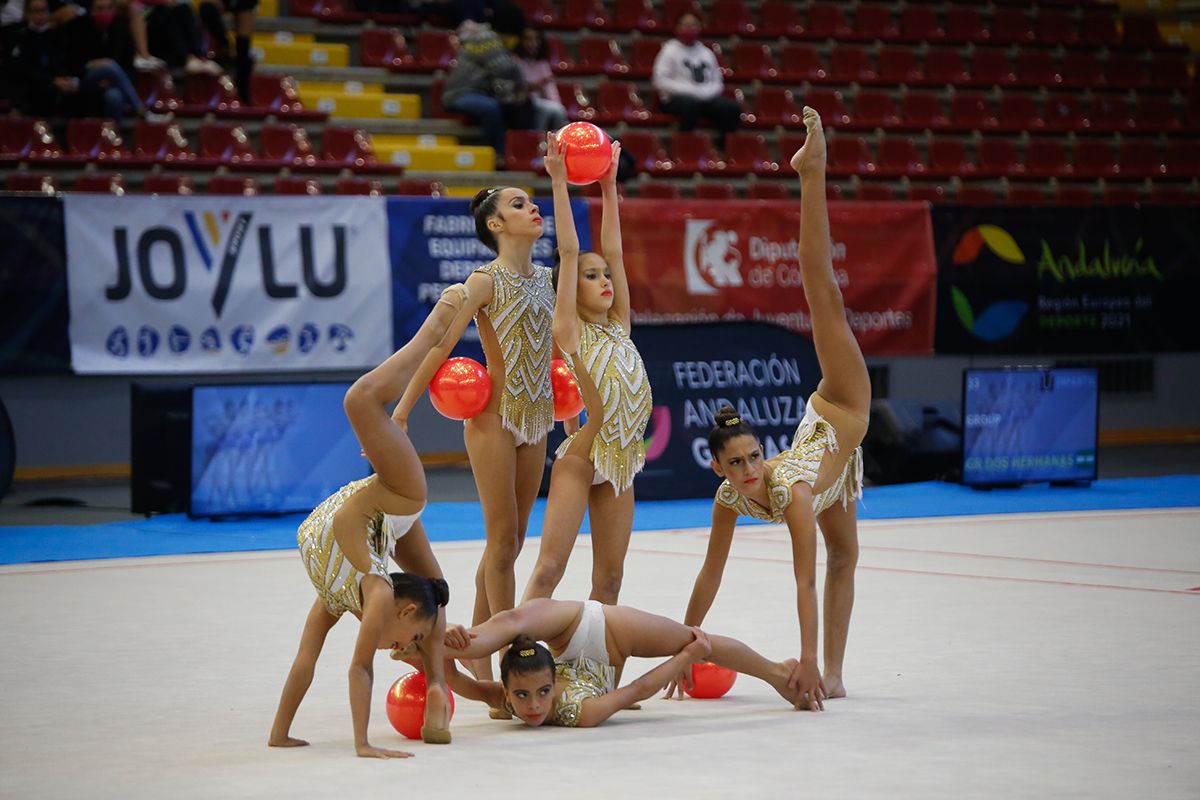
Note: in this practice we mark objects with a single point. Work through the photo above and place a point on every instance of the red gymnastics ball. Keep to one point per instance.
(406, 704)
(587, 152)
(710, 680)
(567, 400)
(461, 388)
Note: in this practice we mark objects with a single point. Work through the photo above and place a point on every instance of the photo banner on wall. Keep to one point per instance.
(227, 284)
(764, 371)
(33, 286)
(432, 244)
(736, 261)
(1114, 279)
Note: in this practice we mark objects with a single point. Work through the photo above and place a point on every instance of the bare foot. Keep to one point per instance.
(810, 158)
(833, 686)
(779, 682)
(287, 741)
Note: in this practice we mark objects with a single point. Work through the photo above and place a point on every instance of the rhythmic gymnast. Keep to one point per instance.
(595, 466)
(513, 302)
(345, 544)
(573, 682)
(820, 477)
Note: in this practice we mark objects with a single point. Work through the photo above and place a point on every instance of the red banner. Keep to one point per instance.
(708, 261)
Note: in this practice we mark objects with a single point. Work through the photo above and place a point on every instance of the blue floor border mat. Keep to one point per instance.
(175, 534)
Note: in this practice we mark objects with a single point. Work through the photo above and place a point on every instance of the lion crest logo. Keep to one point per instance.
(711, 258)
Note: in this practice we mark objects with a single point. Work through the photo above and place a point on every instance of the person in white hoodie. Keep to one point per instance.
(689, 84)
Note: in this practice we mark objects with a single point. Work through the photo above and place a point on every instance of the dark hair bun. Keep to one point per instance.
(479, 197)
(441, 591)
(523, 642)
(724, 414)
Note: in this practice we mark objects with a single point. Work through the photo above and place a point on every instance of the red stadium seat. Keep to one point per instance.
(898, 156)
(1075, 194)
(420, 188)
(435, 50)
(943, 65)
(779, 19)
(436, 109)
(748, 152)
(225, 143)
(919, 23)
(1012, 26)
(965, 24)
(1056, 27)
(948, 159)
(287, 145)
(347, 147)
(27, 138)
(767, 191)
(1169, 71)
(753, 61)
(161, 183)
(294, 184)
(157, 90)
(161, 142)
(1172, 194)
(1122, 194)
(630, 15)
(672, 10)
(231, 184)
(1155, 112)
(538, 13)
(874, 21)
(774, 105)
(991, 67)
(1037, 68)
(977, 194)
(647, 150)
(851, 64)
(730, 18)
(1064, 112)
(799, 63)
(1110, 112)
(922, 110)
(998, 158)
(1183, 158)
(660, 190)
(576, 14)
(972, 112)
(1141, 31)
(359, 186)
(711, 190)
(899, 65)
(872, 192)
(1099, 28)
(30, 182)
(1025, 194)
(1019, 112)
(1081, 69)
(875, 110)
(1047, 158)
(789, 143)
(96, 140)
(642, 54)
(599, 55)
(100, 183)
(929, 192)
(212, 93)
(1126, 70)
(851, 155)
(524, 150)
(619, 101)
(576, 101)
(1141, 158)
(826, 21)
(695, 152)
(387, 48)
(1094, 159)
(830, 105)
(278, 94)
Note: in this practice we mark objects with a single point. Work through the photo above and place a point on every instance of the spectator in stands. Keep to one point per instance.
(549, 113)
(486, 85)
(175, 38)
(688, 81)
(42, 84)
(243, 21)
(100, 54)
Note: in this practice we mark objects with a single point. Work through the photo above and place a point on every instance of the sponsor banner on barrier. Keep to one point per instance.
(1066, 280)
(432, 244)
(33, 286)
(228, 284)
(764, 371)
(738, 261)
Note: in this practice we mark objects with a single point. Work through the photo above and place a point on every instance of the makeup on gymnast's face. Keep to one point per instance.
(595, 292)
(740, 461)
(531, 695)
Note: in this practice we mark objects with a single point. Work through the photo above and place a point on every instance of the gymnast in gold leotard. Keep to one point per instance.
(596, 465)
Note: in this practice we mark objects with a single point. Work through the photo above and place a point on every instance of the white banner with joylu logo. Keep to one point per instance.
(227, 284)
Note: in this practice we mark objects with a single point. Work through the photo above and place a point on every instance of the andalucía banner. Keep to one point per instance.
(737, 261)
(227, 284)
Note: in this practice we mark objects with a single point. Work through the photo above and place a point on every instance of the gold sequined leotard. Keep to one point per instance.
(615, 365)
(521, 312)
(814, 437)
(333, 576)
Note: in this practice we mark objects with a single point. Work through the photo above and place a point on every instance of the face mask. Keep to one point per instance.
(104, 18)
(689, 37)
(39, 28)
